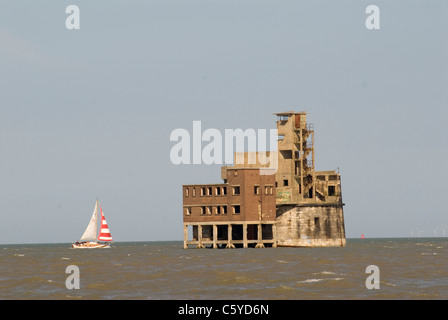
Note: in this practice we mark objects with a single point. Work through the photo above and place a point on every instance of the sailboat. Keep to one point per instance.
(89, 239)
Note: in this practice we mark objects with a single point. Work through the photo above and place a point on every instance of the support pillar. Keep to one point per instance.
(244, 235)
(259, 237)
(229, 245)
(215, 236)
(200, 245)
(185, 236)
(274, 235)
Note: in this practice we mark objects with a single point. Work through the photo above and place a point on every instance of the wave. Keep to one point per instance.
(319, 280)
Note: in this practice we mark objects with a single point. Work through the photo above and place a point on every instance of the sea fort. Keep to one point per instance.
(285, 202)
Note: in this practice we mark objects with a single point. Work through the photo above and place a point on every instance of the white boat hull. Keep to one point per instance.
(90, 245)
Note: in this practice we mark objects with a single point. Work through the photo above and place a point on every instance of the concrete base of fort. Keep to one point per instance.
(310, 225)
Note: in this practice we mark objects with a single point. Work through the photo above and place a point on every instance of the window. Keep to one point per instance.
(236, 209)
(186, 192)
(236, 190)
(285, 183)
(269, 190)
(202, 210)
(256, 189)
(193, 192)
(224, 191)
(287, 154)
(316, 222)
(218, 191)
(209, 210)
(224, 209)
(206, 191)
(187, 211)
(218, 210)
(331, 190)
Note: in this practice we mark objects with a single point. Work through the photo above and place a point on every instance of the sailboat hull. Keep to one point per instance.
(90, 245)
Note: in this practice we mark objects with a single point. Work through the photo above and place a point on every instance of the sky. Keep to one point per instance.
(87, 113)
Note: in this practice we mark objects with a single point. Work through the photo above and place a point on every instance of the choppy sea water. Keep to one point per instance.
(415, 268)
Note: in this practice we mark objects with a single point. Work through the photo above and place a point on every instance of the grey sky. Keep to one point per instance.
(87, 113)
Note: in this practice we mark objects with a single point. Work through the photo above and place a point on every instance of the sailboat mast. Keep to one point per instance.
(96, 219)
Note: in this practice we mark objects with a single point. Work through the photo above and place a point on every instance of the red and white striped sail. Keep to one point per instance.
(104, 231)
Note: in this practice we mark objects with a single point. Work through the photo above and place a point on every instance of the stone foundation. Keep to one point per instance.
(311, 225)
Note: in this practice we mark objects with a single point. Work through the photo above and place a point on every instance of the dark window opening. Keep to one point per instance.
(287, 154)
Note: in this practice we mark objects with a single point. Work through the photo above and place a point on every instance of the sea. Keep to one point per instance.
(396, 268)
